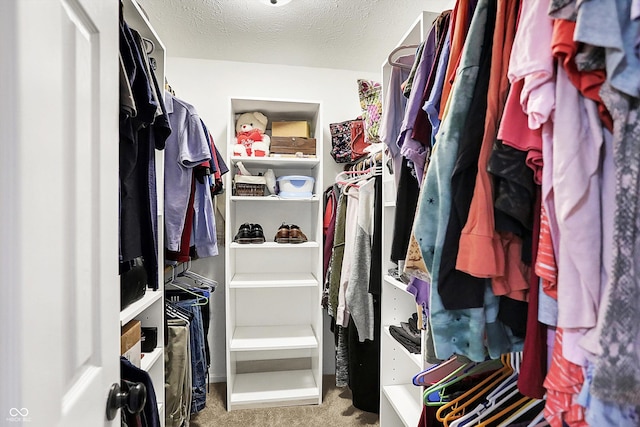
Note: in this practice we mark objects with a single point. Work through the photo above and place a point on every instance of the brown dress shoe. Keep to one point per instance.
(296, 235)
(282, 235)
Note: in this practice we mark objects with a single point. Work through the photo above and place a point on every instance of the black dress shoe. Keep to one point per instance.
(244, 234)
(257, 235)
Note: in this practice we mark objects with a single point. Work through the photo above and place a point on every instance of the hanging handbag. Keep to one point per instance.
(370, 94)
(341, 141)
(347, 140)
(358, 143)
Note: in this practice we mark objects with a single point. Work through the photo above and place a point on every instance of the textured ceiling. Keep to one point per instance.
(343, 34)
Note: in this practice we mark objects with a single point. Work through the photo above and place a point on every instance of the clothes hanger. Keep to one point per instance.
(437, 372)
(199, 298)
(458, 407)
(497, 404)
(535, 403)
(536, 421)
(176, 312)
(356, 176)
(351, 176)
(398, 49)
(474, 369)
(510, 382)
(210, 284)
(505, 412)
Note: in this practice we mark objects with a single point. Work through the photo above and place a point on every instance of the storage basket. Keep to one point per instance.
(247, 185)
(244, 189)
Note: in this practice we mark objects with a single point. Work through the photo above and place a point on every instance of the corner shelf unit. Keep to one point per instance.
(273, 290)
(149, 310)
(400, 400)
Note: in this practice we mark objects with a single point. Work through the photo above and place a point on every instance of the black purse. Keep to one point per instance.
(133, 282)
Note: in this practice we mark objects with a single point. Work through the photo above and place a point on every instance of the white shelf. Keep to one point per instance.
(403, 399)
(273, 280)
(139, 306)
(274, 245)
(274, 162)
(150, 359)
(247, 338)
(315, 198)
(396, 283)
(272, 303)
(279, 109)
(415, 358)
(269, 388)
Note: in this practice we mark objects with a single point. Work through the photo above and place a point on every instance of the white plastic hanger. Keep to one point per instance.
(398, 49)
(502, 393)
(199, 298)
(526, 408)
(505, 393)
(537, 420)
(201, 280)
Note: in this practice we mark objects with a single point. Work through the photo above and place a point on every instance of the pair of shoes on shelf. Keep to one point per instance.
(289, 233)
(408, 334)
(250, 233)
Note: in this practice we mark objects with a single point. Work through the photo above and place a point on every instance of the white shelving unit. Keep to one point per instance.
(150, 309)
(273, 290)
(400, 400)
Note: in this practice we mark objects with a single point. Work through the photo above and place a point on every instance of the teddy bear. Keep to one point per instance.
(251, 141)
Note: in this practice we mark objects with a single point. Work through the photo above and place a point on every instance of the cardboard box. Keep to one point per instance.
(292, 145)
(130, 342)
(292, 128)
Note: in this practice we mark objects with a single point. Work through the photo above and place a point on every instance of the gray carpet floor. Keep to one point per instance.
(336, 410)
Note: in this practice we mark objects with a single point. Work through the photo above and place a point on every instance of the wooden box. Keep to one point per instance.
(292, 145)
(130, 342)
(290, 128)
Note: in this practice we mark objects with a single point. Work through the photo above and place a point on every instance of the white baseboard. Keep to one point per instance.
(218, 379)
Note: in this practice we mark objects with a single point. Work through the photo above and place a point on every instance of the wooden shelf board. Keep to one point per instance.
(403, 399)
(275, 280)
(249, 338)
(272, 387)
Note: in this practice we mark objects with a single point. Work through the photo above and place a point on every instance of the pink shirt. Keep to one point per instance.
(577, 142)
(532, 60)
(591, 340)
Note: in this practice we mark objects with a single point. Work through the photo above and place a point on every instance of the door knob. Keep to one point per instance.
(132, 399)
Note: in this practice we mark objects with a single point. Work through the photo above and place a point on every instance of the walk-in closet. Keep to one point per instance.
(418, 213)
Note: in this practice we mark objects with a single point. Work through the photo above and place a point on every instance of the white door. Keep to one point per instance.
(59, 299)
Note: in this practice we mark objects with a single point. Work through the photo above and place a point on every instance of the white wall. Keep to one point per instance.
(208, 85)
